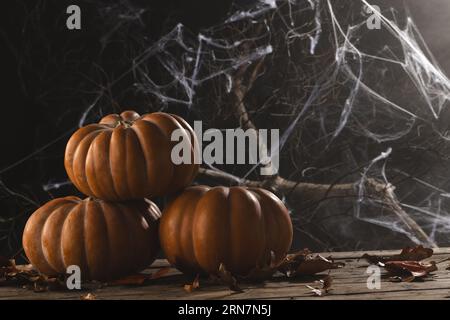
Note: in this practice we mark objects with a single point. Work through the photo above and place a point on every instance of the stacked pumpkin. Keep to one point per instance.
(121, 162)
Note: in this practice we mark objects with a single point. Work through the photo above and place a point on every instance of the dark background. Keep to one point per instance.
(41, 61)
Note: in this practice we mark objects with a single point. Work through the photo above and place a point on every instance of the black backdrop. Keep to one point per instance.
(41, 60)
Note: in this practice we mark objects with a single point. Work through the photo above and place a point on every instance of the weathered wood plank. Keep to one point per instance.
(349, 282)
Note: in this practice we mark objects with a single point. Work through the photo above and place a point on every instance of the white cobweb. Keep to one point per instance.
(352, 103)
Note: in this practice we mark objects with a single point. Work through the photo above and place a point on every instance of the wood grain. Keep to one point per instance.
(348, 283)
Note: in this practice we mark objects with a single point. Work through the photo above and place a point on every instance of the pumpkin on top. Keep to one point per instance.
(128, 156)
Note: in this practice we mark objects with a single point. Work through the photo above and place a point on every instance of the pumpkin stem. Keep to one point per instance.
(124, 123)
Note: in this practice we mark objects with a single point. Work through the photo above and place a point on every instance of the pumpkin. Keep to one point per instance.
(245, 229)
(128, 156)
(106, 240)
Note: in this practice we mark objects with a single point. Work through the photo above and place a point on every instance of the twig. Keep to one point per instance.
(313, 193)
(240, 91)
(309, 192)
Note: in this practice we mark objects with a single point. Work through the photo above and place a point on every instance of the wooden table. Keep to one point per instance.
(349, 282)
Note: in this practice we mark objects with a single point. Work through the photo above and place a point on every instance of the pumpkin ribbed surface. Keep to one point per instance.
(243, 228)
(106, 240)
(128, 156)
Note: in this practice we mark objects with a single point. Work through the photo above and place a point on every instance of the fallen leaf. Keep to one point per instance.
(316, 291)
(418, 253)
(192, 286)
(131, 280)
(264, 272)
(140, 278)
(42, 283)
(326, 282)
(305, 263)
(325, 286)
(89, 296)
(27, 277)
(40, 286)
(7, 267)
(160, 273)
(408, 271)
(395, 279)
(227, 278)
(25, 267)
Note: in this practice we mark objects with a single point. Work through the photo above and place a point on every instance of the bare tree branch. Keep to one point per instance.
(240, 91)
(309, 194)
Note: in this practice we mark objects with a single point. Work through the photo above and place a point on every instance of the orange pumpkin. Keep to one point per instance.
(106, 240)
(128, 156)
(243, 228)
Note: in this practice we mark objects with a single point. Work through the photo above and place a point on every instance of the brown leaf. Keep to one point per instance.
(140, 278)
(316, 291)
(316, 265)
(160, 273)
(25, 268)
(89, 296)
(192, 286)
(326, 282)
(325, 286)
(264, 272)
(304, 263)
(42, 283)
(408, 271)
(7, 267)
(131, 280)
(40, 286)
(228, 279)
(26, 276)
(418, 253)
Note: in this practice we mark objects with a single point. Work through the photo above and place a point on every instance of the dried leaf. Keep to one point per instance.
(304, 263)
(325, 286)
(315, 291)
(27, 277)
(316, 265)
(42, 283)
(395, 279)
(227, 278)
(160, 273)
(408, 271)
(264, 272)
(7, 267)
(89, 296)
(192, 286)
(418, 253)
(326, 282)
(25, 267)
(131, 280)
(407, 278)
(140, 278)
(40, 286)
